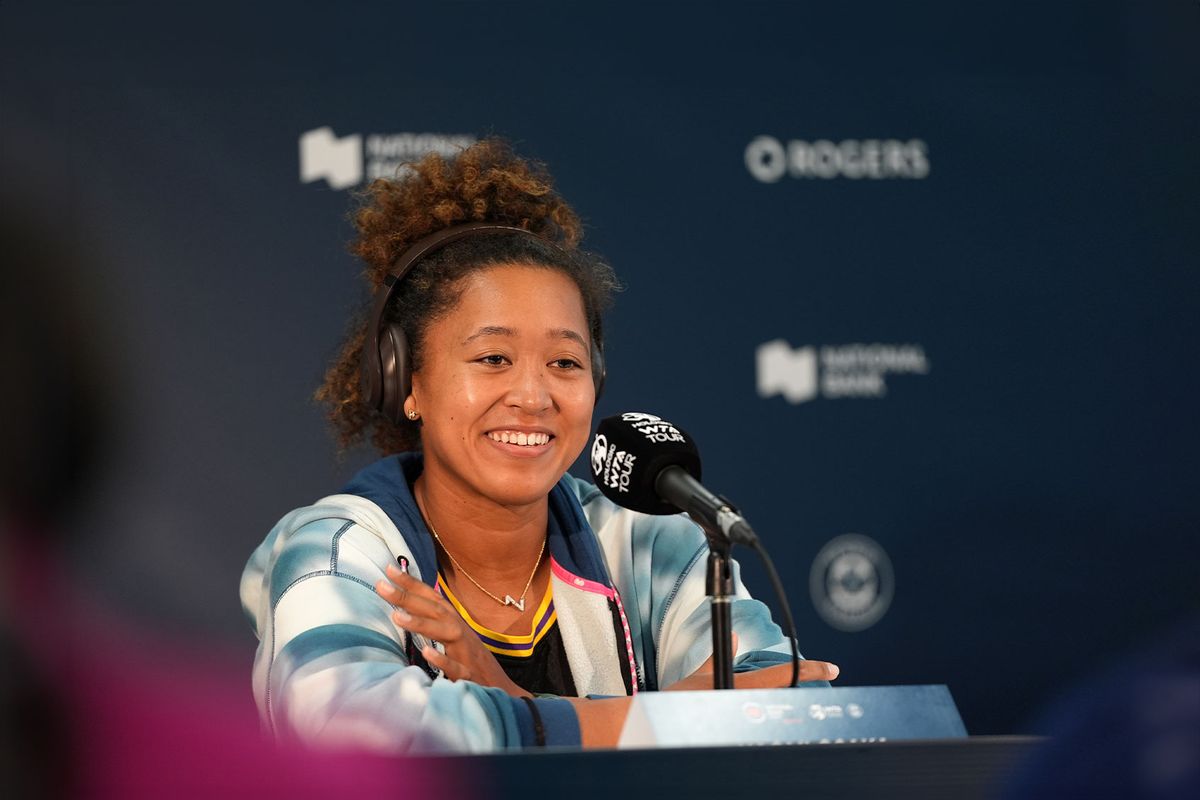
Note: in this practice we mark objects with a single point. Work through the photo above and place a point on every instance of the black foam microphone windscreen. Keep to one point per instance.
(631, 450)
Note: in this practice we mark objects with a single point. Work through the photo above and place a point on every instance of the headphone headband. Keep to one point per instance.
(405, 262)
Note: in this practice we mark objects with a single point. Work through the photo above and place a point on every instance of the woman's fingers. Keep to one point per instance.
(404, 589)
(419, 608)
(417, 605)
(438, 628)
(454, 670)
(780, 675)
(413, 595)
(818, 671)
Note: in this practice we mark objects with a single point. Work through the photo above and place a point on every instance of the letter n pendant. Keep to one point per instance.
(520, 604)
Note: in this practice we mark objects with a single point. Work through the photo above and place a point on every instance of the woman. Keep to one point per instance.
(465, 592)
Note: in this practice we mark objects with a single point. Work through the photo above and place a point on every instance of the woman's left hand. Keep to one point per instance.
(773, 677)
(420, 609)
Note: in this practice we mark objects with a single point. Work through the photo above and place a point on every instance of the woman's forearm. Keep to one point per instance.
(601, 721)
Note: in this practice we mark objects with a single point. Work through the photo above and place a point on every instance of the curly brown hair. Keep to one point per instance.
(486, 182)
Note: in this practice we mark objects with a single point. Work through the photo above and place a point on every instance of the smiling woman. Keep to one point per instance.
(465, 592)
(505, 392)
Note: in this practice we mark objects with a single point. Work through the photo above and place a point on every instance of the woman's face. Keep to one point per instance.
(505, 387)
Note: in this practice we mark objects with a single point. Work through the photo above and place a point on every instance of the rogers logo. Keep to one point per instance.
(768, 159)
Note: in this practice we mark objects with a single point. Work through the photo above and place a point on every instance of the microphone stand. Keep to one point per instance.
(722, 526)
(719, 587)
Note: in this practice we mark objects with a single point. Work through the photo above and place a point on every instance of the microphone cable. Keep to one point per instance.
(781, 595)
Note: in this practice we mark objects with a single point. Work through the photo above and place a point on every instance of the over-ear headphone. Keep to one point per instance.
(387, 362)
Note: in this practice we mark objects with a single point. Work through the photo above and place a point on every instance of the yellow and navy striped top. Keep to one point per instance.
(506, 644)
(536, 661)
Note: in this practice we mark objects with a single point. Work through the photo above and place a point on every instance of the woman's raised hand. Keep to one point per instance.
(420, 609)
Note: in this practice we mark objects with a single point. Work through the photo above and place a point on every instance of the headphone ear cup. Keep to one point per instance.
(372, 375)
(599, 371)
(395, 373)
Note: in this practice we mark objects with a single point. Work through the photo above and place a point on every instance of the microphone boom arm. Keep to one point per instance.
(714, 514)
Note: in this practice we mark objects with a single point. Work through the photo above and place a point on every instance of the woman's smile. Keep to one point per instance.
(521, 438)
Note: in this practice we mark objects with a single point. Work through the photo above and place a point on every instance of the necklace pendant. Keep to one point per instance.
(520, 604)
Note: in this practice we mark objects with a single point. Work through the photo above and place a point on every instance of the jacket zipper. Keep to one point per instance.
(671, 599)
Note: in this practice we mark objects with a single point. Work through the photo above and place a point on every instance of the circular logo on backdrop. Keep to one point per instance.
(851, 582)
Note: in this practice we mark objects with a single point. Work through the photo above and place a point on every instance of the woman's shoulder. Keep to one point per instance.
(585, 491)
(341, 535)
(662, 532)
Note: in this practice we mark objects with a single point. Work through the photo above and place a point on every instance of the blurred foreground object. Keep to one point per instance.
(1133, 733)
(90, 705)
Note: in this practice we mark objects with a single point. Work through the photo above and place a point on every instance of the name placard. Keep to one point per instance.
(791, 716)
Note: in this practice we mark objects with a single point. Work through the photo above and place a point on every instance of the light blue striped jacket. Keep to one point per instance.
(333, 668)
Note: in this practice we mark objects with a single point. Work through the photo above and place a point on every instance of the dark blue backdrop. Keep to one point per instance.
(1028, 225)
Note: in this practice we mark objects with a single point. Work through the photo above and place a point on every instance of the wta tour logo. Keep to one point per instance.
(851, 582)
(342, 161)
(655, 429)
(612, 467)
(801, 374)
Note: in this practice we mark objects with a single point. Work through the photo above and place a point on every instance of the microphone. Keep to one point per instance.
(644, 463)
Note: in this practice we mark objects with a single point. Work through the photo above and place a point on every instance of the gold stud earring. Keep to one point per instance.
(413, 415)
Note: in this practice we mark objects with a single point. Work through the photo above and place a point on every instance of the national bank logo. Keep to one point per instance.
(338, 161)
(344, 161)
(805, 373)
(768, 159)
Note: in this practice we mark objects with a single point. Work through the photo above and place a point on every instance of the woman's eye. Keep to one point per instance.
(566, 363)
(495, 360)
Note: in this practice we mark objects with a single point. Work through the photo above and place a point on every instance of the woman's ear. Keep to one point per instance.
(410, 408)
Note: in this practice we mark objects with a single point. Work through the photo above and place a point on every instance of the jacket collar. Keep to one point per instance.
(388, 483)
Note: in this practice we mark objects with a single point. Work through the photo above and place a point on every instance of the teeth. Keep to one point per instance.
(519, 438)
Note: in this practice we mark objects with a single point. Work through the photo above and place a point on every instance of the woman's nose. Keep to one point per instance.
(531, 391)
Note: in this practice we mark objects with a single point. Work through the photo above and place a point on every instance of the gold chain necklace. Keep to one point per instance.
(508, 598)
